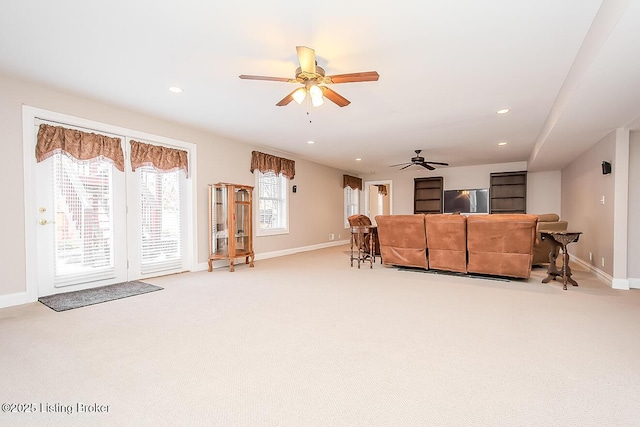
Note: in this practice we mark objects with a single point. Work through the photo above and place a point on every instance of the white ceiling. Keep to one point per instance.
(568, 70)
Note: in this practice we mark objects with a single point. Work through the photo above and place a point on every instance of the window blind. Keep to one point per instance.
(161, 220)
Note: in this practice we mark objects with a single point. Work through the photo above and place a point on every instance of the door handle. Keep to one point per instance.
(45, 222)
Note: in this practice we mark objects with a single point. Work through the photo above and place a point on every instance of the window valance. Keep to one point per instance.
(161, 158)
(78, 145)
(278, 165)
(352, 181)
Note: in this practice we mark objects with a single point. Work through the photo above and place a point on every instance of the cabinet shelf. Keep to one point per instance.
(427, 195)
(508, 192)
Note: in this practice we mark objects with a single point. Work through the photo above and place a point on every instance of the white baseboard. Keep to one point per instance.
(292, 251)
(274, 254)
(634, 283)
(15, 299)
(622, 284)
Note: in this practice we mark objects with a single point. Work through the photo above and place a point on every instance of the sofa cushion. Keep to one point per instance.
(501, 244)
(402, 240)
(550, 217)
(447, 242)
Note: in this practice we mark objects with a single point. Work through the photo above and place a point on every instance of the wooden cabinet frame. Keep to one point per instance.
(230, 223)
(508, 192)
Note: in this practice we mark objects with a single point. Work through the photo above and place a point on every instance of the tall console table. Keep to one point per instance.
(560, 239)
(358, 235)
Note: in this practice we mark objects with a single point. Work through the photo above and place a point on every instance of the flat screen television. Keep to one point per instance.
(467, 201)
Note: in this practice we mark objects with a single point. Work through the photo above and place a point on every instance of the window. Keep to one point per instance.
(351, 203)
(273, 206)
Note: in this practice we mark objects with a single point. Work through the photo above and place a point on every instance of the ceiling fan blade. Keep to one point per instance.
(273, 79)
(307, 59)
(368, 76)
(405, 167)
(438, 163)
(286, 100)
(335, 97)
(424, 165)
(399, 164)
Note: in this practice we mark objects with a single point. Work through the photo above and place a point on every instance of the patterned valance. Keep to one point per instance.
(78, 145)
(278, 165)
(352, 181)
(161, 158)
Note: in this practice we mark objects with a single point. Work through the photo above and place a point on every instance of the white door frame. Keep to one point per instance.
(29, 116)
(366, 190)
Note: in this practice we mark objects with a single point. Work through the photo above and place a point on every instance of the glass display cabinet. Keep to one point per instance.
(230, 223)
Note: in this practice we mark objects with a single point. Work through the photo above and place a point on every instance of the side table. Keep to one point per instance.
(358, 235)
(560, 239)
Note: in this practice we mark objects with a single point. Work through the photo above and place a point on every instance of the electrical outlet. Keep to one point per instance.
(602, 200)
(602, 261)
(590, 256)
(332, 236)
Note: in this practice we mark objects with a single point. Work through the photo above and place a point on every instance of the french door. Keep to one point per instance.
(97, 225)
(81, 227)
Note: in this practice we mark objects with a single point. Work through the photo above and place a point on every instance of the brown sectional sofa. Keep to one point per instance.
(499, 244)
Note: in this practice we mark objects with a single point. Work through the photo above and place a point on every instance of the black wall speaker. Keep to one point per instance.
(606, 168)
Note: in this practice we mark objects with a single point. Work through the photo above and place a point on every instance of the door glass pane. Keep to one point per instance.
(161, 216)
(83, 197)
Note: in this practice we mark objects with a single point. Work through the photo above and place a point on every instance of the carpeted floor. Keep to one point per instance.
(306, 340)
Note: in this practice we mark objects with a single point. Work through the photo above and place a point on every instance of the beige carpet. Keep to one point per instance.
(306, 340)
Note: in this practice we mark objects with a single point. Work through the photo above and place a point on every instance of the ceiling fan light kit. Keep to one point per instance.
(312, 77)
(299, 95)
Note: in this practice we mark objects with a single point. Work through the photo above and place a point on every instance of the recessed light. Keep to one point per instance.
(175, 89)
(311, 142)
(503, 111)
(358, 159)
(502, 143)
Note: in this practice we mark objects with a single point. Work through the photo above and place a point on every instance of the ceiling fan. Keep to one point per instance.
(418, 160)
(312, 77)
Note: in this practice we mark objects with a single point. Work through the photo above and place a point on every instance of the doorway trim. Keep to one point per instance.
(366, 190)
(29, 116)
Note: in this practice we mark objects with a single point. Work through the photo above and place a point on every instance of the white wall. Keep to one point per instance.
(543, 192)
(583, 186)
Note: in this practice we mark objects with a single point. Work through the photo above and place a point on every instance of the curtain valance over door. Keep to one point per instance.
(161, 158)
(78, 145)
